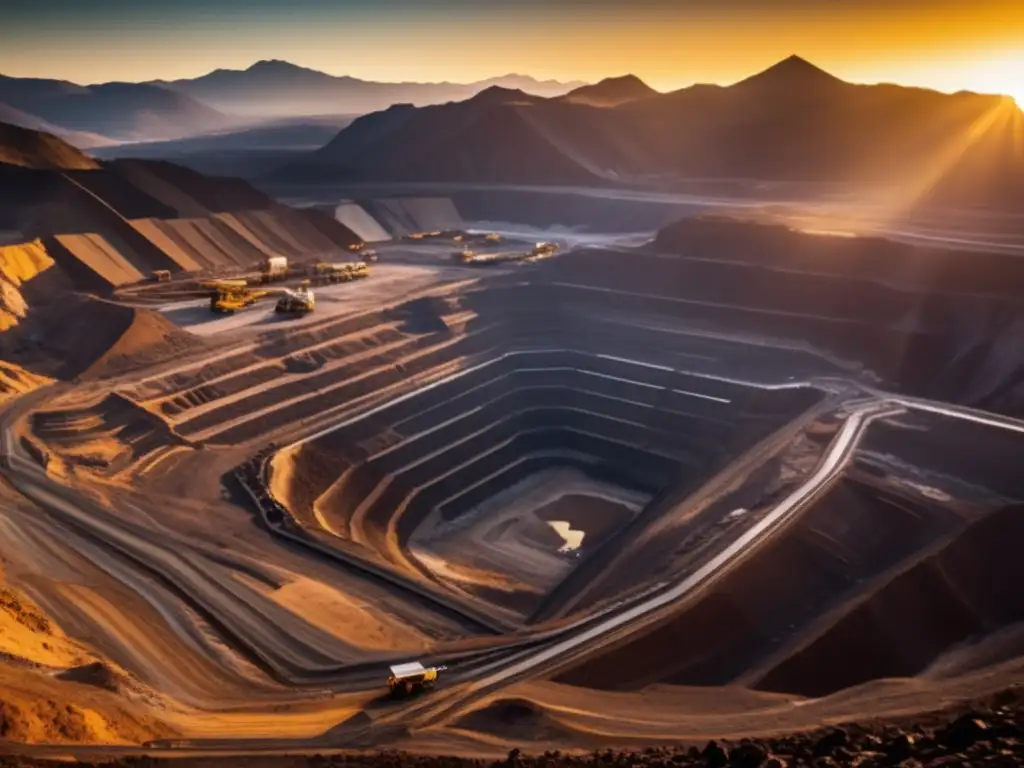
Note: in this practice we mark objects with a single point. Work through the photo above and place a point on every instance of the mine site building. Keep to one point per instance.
(410, 678)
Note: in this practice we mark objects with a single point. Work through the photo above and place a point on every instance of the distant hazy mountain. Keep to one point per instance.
(124, 111)
(611, 92)
(280, 88)
(34, 149)
(792, 122)
(80, 139)
(306, 133)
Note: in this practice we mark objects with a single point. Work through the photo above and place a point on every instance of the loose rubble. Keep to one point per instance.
(987, 733)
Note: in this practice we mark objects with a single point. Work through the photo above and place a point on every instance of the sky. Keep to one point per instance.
(944, 44)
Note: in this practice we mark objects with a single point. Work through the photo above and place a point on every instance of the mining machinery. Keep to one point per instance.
(411, 678)
(301, 301)
(324, 272)
(227, 299)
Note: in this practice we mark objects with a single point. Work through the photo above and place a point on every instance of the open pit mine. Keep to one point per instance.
(738, 479)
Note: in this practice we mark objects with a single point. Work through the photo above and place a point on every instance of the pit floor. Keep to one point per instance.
(509, 548)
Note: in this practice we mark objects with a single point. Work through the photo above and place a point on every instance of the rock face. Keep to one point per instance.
(110, 224)
(33, 149)
(933, 323)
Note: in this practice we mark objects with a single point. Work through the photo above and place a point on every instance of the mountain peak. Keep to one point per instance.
(611, 91)
(793, 71)
(498, 94)
(273, 64)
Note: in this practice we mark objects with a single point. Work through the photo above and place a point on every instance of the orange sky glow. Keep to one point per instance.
(943, 44)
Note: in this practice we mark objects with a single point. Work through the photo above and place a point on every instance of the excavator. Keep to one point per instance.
(228, 299)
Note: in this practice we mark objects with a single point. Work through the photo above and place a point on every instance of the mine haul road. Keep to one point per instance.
(641, 613)
(635, 616)
(290, 662)
(294, 661)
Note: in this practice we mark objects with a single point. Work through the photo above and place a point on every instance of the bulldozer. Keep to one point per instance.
(301, 301)
(411, 678)
(228, 299)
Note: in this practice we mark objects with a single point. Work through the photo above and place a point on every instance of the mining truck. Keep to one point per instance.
(298, 302)
(273, 268)
(324, 272)
(411, 678)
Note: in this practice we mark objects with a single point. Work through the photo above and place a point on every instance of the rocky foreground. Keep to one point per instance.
(986, 733)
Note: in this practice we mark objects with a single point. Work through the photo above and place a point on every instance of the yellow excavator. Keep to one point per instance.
(228, 299)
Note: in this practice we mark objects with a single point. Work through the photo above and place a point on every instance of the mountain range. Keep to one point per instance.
(792, 122)
(90, 116)
(279, 88)
(111, 111)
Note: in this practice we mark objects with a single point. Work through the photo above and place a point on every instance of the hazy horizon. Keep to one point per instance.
(938, 44)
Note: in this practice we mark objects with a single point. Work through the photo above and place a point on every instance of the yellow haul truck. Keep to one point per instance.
(411, 678)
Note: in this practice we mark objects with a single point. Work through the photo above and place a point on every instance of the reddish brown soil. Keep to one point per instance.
(33, 149)
(93, 338)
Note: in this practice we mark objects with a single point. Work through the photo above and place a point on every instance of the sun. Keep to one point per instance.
(1001, 73)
